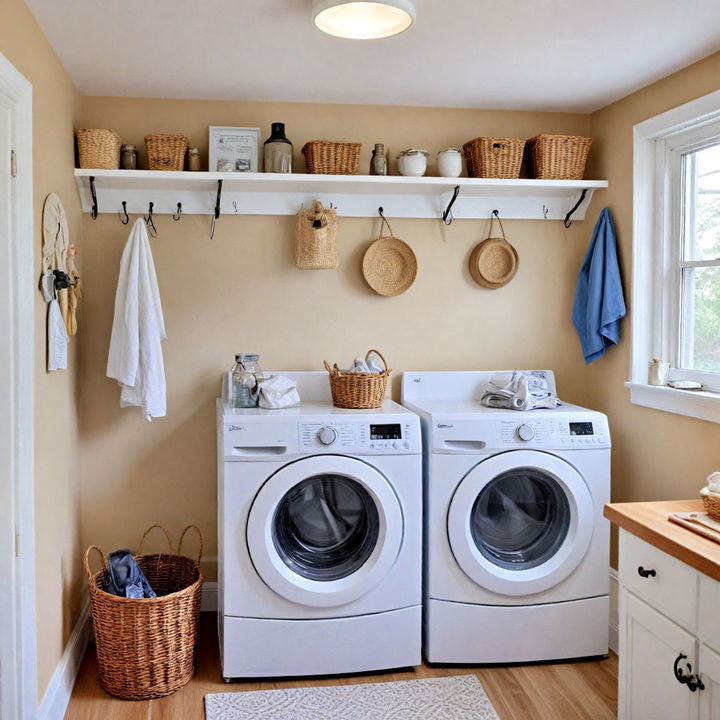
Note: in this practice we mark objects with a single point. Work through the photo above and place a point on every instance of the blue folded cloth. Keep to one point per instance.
(126, 577)
(599, 302)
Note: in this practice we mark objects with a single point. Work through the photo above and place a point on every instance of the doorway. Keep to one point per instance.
(18, 675)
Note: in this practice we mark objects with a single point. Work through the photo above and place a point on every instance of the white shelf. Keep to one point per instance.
(352, 195)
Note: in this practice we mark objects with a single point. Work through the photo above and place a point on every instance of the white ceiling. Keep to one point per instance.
(568, 55)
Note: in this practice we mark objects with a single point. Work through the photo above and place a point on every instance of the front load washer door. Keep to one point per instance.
(325, 530)
(520, 522)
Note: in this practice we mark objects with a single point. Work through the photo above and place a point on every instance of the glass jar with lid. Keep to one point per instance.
(246, 378)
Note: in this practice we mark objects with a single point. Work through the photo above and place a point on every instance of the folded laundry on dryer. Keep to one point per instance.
(518, 390)
(277, 392)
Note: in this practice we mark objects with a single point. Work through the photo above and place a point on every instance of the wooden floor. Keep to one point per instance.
(561, 691)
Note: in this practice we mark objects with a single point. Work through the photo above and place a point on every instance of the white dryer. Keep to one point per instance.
(320, 537)
(516, 546)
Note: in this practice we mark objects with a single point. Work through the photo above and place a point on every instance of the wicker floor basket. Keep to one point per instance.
(494, 157)
(557, 157)
(98, 149)
(358, 390)
(166, 152)
(145, 646)
(332, 158)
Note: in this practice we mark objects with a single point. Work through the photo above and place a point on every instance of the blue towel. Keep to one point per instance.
(599, 302)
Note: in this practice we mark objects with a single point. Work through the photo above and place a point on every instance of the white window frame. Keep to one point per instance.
(656, 238)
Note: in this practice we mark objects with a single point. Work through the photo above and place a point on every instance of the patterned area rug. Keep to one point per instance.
(460, 697)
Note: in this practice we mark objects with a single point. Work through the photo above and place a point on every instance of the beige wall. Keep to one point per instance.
(241, 292)
(56, 106)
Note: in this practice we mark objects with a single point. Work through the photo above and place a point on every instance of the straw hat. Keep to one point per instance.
(389, 264)
(494, 262)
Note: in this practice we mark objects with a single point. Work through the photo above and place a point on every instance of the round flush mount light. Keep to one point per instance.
(367, 20)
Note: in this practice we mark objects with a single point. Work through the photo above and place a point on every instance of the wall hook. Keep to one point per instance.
(177, 215)
(124, 218)
(496, 213)
(94, 209)
(568, 222)
(235, 206)
(447, 215)
(545, 211)
(149, 221)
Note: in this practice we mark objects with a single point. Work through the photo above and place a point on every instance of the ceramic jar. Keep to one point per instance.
(412, 163)
(449, 162)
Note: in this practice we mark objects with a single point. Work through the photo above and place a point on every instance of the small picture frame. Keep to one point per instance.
(233, 149)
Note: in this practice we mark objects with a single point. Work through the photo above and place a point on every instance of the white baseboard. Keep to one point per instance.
(614, 615)
(57, 696)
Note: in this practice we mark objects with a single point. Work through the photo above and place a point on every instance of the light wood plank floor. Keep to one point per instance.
(562, 691)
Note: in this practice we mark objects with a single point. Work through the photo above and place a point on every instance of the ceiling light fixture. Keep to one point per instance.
(367, 20)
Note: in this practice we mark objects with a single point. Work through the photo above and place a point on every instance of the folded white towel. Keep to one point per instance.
(277, 391)
(713, 483)
(57, 338)
(135, 358)
(518, 390)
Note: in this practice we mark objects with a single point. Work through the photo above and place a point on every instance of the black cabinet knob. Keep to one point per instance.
(642, 572)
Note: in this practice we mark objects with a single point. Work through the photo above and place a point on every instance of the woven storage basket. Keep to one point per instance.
(145, 646)
(166, 152)
(316, 238)
(557, 157)
(494, 157)
(358, 390)
(711, 503)
(98, 149)
(332, 158)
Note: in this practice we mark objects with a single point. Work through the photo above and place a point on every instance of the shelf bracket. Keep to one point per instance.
(93, 193)
(568, 221)
(216, 214)
(447, 215)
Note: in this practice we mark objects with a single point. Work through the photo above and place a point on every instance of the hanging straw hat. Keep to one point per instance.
(389, 264)
(494, 262)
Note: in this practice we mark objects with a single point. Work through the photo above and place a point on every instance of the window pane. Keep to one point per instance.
(702, 204)
(701, 319)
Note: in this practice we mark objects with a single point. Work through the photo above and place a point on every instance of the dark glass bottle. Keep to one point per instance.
(278, 151)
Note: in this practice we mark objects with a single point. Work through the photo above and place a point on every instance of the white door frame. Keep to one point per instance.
(18, 660)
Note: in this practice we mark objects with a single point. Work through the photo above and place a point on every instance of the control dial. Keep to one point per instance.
(327, 435)
(525, 432)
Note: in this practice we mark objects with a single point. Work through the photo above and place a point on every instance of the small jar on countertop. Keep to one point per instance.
(128, 157)
(193, 160)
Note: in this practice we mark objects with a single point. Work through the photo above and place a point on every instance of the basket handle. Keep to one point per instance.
(200, 538)
(379, 354)
(147, 532)
(86, 560)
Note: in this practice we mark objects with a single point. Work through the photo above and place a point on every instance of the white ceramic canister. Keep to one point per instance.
(412, 163)
(449, 162)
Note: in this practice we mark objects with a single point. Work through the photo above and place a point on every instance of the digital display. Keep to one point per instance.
(585, 428)
(385, 432)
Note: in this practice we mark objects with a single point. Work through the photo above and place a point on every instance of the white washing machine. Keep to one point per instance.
(516, 547)
(320, 537)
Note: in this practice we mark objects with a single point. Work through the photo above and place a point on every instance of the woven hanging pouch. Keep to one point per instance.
(316, 238)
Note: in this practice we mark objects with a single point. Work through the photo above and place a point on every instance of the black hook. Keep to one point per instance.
(177, 215)
(380, 213)
(149, 220)
(496, 213)
(216, 214)
(126, 219)
(447, 215)
(568, 221)
(94, 209)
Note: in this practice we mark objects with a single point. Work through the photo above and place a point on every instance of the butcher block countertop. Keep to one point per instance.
(649, 521)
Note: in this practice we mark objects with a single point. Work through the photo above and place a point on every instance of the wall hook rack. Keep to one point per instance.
(94, 210)
(447, 215)
(149, 221)
(568, 222)
(178, 213)
(124, 218)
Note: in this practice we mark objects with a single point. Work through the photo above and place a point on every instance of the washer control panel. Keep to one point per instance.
(391, 437)
(555, 433)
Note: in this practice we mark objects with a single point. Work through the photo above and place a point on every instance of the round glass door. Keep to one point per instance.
(520, 522)
(324, 530)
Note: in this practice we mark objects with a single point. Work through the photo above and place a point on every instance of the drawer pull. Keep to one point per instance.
(642, 572)
(692, 681)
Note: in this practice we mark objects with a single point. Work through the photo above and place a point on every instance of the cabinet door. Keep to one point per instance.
(710, 675)
(650, 644)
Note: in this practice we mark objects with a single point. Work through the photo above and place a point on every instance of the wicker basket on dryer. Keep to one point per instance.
(358, 390)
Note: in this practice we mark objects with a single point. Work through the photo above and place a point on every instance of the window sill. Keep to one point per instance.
(693, 403)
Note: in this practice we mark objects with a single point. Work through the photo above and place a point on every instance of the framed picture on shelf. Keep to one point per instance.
(233, 149)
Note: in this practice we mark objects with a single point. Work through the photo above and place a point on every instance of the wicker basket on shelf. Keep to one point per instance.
(166, 152)
(145, 646)
(332, 158)
(494, 157)
(557, 157)
(98, 148)
(358, 390)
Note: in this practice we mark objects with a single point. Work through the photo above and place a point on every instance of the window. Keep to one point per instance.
(676, 256)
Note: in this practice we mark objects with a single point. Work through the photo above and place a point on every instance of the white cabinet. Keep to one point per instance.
(669, 640)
